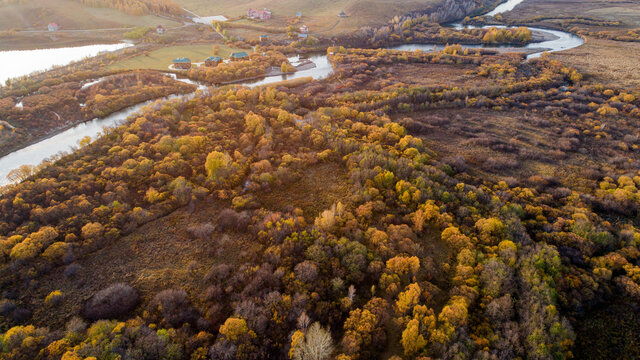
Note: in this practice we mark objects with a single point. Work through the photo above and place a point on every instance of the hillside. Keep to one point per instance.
(70, 15)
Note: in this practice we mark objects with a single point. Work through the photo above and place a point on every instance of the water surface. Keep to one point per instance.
(16, 63)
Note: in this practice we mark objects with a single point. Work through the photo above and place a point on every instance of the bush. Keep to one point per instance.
(137, 33)
(112, 302)
(54, 298)
(72, 270)
(174, 307)
(201, 231)
(232, 220)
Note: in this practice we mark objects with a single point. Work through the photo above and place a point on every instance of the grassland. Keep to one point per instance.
(604, 61)
(161, 59)
(320, 16)
(70, 15)
(624, 11)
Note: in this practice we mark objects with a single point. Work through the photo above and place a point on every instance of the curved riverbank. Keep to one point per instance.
(65, 139)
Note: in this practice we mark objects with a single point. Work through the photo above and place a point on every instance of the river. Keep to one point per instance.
(25, 62)
(64, 141)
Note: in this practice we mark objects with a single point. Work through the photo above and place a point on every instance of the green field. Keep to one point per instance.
(161, 59)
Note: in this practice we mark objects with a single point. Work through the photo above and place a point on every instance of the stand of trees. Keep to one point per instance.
(422, 257)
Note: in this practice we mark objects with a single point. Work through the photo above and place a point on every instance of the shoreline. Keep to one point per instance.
(59, 130)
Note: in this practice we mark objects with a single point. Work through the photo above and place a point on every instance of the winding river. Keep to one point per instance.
(64, 141)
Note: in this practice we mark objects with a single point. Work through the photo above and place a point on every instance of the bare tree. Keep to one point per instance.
(352, 292)
(317, 344)
(22, 173)
(303, 321)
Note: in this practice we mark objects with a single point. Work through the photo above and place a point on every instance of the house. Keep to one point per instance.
(304, 29)
(303, 36)
(299, 15)
(264, 38)
(212, 61)
(259, 14)
(53, 27)
(160, 30)
(182, 63)
(342, 14)
(237, 56)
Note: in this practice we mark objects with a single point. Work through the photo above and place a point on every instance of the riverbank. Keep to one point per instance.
(49, 41)
(73, 105)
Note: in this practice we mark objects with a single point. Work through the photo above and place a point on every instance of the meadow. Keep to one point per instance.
(161, 59)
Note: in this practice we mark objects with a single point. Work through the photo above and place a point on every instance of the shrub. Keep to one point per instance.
(114, 301)
(232, 220)
(72, 270)
(137, 33)
(92, 230)
(54, 298)
(174, 307)
(201, 231)
(219, 272)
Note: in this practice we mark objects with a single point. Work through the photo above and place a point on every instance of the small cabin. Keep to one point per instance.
(53, 27)
(160, 30)
(342, 14)
(264, 38)
(264, 14)
(304, 29)
(182, 63)
(238, 56)
(212, 61)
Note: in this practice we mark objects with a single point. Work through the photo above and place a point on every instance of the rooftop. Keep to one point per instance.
(213, 58)
(239, 54)
(182, 60)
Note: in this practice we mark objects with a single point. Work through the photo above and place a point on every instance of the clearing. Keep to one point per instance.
(161, 59)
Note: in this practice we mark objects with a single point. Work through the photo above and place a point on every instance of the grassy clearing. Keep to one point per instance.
(161, 59)
(605, 61)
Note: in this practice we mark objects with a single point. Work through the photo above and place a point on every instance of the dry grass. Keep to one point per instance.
(320, 187)
(605, 61)
(156, 255)
(625, 11)
(70, 15)
(319, 15)
(468, 133)
(436, 74)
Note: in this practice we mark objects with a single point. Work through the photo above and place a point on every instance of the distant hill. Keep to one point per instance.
(84, 14)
